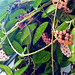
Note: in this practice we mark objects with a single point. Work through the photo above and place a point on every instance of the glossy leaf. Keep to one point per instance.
(42, 57)
(18, 36)
(72, 47)
(25, 32)
(10, 24)
(6, 69)
(62, 27)
(48, 11)
(7, 49)
(17, 13)
(26, 41)
(72, 58)
(39, 31)
(17, 63)
(48, 68)
(17, 46)
(36, 4)
(22, 70)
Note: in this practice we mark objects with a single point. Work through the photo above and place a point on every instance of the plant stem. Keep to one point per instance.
(22, 55)
(53, 27)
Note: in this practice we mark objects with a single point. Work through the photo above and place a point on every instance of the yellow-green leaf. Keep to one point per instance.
(6, 69)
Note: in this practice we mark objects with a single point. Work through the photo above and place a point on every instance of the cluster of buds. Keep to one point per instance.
(3, 56)
(65, 50)
(65, 39)
(62, 4)
(20, 25)
(16, 69)
(46, 38)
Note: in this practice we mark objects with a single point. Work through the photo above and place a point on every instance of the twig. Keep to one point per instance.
(22, 55)
(53, 27)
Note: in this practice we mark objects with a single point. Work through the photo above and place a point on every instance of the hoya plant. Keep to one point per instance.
(41, 35)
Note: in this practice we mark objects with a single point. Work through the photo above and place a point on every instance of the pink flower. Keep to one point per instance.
(20, 25)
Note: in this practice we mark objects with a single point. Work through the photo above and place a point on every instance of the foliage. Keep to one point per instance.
(27, 27)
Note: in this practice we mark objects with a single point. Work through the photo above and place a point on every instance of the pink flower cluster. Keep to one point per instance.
(62, 4)
(65, 50)
(3, 56)
(21, 25)
(45, 38)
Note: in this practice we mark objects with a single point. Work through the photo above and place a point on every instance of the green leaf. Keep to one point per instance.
(6, 69)
(37, 65)
(1, 34)
(59, 54)
(30, 5)
(10, 24)
(62, 27)
(48, 68)
(43, 74)
(64, 62)
(3, 16)
(11, 37)
(22, 70)
(72, 58)
(17, 63)
(39, 32)
(72, 16)
(26, 41)
(17, 46)
(48, 11)
(17, 13)
(36, 4)
(18, 36)
(42, 57)
(72, 47)
(44, 1)
(25, 32)
(7, 49)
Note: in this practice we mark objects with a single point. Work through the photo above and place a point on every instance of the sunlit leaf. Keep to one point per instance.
(22, 70)
(26, 32)
(48, 11)
(17, 13)
(72, 47)
(39, 31)
(17, 63)
(6, 69)
(36, 4)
